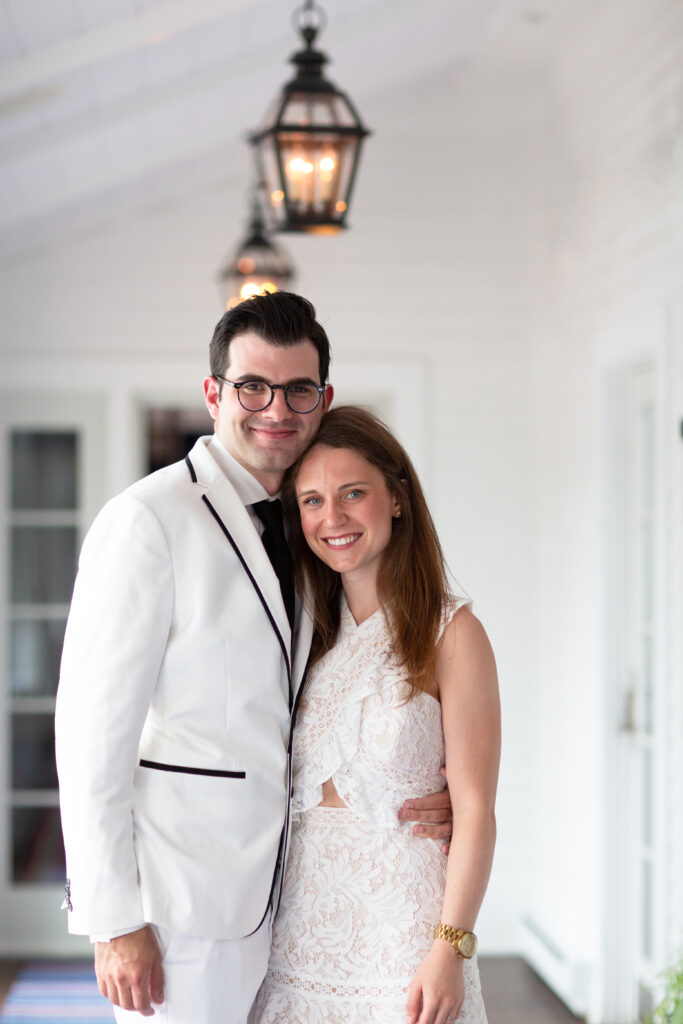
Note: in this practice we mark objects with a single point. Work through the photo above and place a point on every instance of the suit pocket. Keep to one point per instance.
(186, 770)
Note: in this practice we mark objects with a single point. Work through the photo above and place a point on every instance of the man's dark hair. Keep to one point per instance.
(281, 318)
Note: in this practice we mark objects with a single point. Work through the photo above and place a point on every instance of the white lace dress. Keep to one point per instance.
(362, 893)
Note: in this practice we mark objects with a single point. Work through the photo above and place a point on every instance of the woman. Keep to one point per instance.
(402, 680)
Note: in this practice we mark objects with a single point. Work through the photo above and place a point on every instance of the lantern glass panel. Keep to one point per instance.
(313, 170)
(324, 110)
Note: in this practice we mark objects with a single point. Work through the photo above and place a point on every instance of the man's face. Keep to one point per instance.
(267, 442)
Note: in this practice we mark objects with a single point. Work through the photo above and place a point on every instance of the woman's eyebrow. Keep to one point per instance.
(342, 487)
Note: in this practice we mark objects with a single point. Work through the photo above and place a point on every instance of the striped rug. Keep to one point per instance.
(55, 992)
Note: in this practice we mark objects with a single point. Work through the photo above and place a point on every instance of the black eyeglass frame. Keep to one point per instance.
(285, 388)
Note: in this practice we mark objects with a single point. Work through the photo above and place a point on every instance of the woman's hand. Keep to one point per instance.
(437, 991)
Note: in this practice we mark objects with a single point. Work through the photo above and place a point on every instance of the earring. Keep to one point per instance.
(396, 514)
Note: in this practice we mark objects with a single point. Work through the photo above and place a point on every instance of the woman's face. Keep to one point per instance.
(346, 510)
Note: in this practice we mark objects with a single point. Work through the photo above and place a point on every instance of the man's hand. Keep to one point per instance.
(129, 971)
(435, 814)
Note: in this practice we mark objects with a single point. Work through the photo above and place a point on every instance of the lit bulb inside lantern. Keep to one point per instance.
(250, 288)
(245, 265)
(300, 182)
(327, 164)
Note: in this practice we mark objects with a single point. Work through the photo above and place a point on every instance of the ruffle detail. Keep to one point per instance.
(336, 750)
(357, 728)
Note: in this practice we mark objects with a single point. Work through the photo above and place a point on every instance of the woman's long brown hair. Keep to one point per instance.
(411, 581)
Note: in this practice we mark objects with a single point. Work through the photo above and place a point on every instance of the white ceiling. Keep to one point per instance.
(106, 102)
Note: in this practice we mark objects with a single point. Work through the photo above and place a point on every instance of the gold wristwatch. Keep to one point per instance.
(463, 942)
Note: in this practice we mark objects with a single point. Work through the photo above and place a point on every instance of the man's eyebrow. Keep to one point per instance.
(264, 380)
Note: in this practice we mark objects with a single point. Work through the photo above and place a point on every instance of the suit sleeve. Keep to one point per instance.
(113, 650)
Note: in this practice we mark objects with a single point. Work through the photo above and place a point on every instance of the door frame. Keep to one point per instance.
(626, 347)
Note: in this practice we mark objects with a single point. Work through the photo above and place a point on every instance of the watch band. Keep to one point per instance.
(463, 942)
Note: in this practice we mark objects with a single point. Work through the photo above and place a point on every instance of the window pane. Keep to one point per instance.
(35, 651)
(37, 847)
(171, 434)
(43, 563)
(43, 470)
(33, 752)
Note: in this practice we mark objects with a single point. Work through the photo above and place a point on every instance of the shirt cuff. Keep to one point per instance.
(115, 934)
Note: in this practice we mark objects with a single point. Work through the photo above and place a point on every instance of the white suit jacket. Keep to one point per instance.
(174, 712)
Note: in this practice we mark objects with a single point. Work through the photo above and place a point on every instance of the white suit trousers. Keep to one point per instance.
(206, 981)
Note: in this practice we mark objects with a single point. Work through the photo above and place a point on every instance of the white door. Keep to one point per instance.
(635, 865)
(49, 490)
(643, 694)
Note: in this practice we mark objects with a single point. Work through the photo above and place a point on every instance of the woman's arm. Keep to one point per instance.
(470, 707)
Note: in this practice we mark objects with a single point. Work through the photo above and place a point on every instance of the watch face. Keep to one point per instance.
(468, 945)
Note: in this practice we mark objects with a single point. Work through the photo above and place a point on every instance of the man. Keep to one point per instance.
(182, 666)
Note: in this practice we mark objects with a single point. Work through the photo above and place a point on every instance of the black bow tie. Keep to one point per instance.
(277, 549)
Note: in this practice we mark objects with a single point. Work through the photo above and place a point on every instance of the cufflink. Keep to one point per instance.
(66, 902)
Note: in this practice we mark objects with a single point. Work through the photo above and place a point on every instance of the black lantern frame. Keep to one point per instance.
(308, 150)
(259, 265)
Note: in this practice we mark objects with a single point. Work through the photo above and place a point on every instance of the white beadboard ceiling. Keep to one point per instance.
(106, 103)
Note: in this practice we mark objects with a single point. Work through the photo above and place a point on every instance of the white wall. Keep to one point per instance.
(440, 265)
(615, 284)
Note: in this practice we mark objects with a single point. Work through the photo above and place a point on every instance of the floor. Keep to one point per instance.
(512, 992)
(8, 968)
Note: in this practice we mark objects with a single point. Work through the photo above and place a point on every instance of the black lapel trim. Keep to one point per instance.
(191, 469)
(290, 789)
(279, 869)
(256, 587)
(285, 835)
(293, 705)
(144, 763)
(297, 699)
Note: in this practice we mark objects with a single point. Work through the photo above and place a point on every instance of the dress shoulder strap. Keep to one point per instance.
(452, 604)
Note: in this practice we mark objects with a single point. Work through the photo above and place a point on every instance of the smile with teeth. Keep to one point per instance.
(342, 542)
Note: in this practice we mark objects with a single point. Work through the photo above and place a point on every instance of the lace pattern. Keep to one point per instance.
(355, 922)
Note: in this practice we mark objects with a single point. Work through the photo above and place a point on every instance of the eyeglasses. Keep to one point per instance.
(256, 395)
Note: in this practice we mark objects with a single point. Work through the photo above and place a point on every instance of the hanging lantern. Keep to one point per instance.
(258, 265)
(308, 149)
